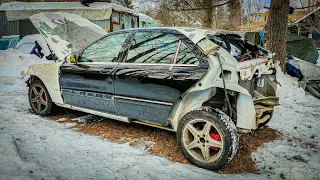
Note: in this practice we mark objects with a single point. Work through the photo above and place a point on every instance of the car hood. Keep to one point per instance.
(66, 33)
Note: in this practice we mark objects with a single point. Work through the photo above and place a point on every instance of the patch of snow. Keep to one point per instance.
(27, 43)
(141, 143)
(69, 125)
(84, 119)
(12, 62)
(61, 119)
(298, 119)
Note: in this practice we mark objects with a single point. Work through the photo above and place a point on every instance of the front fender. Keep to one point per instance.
(49, 75)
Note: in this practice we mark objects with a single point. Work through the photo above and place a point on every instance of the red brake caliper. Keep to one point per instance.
(44, 96)
(217, 138)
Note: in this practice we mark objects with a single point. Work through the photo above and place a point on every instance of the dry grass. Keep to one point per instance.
(242, 162)
(165, 142)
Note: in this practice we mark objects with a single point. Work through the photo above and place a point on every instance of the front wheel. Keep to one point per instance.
(40, 100)
(208, 138)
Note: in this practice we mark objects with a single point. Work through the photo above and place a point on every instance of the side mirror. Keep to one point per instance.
(72, 59)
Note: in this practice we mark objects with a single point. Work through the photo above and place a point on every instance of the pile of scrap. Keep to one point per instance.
(314, 88)
(310, 75)
(303, 62)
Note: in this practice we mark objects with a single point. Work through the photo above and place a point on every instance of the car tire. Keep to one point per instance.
(207, 138)
(40, 100)
(265, 123)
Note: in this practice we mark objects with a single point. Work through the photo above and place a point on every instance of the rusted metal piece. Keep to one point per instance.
(260, 109)
(264, 119)
(276, 64)
(267, 101)
(211, 49)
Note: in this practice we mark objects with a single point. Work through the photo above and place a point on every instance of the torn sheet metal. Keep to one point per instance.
(66, 33)
(246, 112)
(257, 66)
(196, 35)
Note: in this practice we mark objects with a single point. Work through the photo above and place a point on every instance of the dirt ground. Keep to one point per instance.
(161, 142)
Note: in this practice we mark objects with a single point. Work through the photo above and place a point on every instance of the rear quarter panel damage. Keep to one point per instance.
(205, 88)
(245, 112)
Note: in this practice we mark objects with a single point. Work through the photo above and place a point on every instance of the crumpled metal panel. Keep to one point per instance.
(66, 33)
(246, 113)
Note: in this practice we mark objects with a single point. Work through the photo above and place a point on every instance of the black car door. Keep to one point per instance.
(145, 85)
(89, 83)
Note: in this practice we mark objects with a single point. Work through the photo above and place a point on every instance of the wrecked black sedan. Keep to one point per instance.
(176, 79)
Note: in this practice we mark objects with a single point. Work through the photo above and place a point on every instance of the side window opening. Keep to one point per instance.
(185, 56)
(152, 47)
(104, 50)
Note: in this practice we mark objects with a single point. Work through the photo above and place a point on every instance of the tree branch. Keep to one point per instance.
(202, 8)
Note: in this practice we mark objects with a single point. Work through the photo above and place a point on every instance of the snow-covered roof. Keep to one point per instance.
(16, 5)
(299, 20)
(95, 11)
(144, 17)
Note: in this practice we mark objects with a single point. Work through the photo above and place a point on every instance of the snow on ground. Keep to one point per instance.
(296, 155)
(28, 42)
(33, 147)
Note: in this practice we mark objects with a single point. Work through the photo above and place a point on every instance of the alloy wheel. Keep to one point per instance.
(203, 141)
(38, 98)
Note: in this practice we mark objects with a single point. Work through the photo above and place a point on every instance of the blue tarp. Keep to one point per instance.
(9, 42)
(315, 36)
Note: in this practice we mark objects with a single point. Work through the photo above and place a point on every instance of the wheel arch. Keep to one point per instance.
(33, 78)
(189, 102)
(245, 116)
(48, 74)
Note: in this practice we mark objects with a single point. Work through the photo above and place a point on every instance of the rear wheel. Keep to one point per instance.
(40, 100)
(207, 138)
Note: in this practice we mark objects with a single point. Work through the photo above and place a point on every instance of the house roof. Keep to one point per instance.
(144, 17)
(95, 11)
(299, 20)
(16, 5)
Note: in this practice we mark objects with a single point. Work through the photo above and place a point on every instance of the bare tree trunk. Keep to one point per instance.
(277, 30)
(208, 15)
